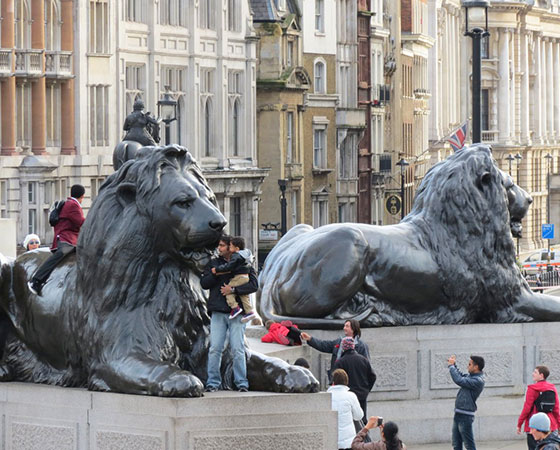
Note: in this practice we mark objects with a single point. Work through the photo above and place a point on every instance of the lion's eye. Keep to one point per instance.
(183, 203)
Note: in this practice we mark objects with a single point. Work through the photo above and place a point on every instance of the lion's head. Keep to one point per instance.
(158, 203)
(467, 210)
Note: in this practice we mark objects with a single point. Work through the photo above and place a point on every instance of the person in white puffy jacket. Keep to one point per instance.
(348, 407)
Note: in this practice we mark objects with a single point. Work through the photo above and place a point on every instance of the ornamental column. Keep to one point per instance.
(544, 93)
(524, 110)
(67, 88)
(537, 111)
(556, 94)
(550, 91)
(503, 87)
(38, 87)
(8, 84)
(512, 87)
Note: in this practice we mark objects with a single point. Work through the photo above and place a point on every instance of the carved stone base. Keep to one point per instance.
(36, 417)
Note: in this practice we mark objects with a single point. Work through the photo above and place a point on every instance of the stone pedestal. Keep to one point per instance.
(37, 417)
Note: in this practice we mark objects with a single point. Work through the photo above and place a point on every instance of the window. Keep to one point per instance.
(320, 16)
(294, 207)
(99, 26)
(344, 85)
(135, 11)
(319, 148)
(22, 22)
(290, 54)
(485, 50)
(3, 199)
(319, 72)
(207, 113)
(135, 84)
(235, 98)
(173, 12)
(52, 26)
(32, 207)
(348, 156)
(53, 115)
(233, 15)
(235, 216)
(320, 210)
(206, 14)
(175, 79)
(99, 110)
(23, 114)
(289, 137)
(485, 110)
(95, 185)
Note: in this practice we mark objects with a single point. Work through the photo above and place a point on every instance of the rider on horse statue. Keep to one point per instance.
(140, 126)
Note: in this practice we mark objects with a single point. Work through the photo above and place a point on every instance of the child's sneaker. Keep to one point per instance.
(248, 317)
(235, 312)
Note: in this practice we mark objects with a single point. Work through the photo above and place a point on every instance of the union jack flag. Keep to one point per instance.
(457, 139)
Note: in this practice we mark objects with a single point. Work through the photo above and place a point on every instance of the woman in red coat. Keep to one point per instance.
(540, 374)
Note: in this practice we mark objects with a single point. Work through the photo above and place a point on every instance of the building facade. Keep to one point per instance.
(64, 114)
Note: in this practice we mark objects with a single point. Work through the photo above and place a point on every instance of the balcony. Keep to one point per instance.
(294, 171)
(29, 63)
(422, 93)
(351, 118)
(58, 64)
(5, 62)
(489, 136)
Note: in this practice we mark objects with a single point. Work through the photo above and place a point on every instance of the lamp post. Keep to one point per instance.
(167, 110)
(402, 163)
(510, 158)
(549, 157)
(282, 183)
(518, 159)
(476, 11)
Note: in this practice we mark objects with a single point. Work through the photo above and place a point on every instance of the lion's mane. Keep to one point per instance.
(461, 212)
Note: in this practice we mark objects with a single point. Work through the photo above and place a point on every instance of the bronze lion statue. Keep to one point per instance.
(126, 312)
(450, 261)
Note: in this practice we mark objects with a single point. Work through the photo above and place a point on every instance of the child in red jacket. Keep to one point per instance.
(283, 333)
(540, 374)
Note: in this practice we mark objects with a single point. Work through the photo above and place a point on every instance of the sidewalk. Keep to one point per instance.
(520, 444)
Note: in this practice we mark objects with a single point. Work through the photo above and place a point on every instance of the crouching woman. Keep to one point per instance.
(389, 436)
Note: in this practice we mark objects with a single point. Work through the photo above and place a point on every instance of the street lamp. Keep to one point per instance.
(518, 159)
(167, 110)
(476, 11)
(549, 157)
(402, 163)
(282, 183)
(510, 158)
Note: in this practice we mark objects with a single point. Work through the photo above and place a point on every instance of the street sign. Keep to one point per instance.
(548, 231)
(393, 204)
(268, 235)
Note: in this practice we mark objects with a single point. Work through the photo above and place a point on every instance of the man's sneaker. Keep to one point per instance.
(243, 389)
(248, 317)
(34, 287)
(211, 389)
(235, 312)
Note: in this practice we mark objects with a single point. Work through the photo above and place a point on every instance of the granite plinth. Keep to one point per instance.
(414, 387)
(37, 417)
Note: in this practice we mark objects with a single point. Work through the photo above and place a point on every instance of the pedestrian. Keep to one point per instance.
(302, 362)
(545, 439)
(361, 376)
(471, 385)
(31, 242)
(389, 436)
(71, 219)
(541, 397)
(220, 323)
(346, 404)
(351, 329)
(239, 265)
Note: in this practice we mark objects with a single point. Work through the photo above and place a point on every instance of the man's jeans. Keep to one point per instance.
(463, 432)
(219, 325)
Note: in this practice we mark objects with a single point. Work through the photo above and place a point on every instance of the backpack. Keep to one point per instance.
(54, 213)
(545, 401)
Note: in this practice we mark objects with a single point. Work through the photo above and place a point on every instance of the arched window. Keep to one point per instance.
(233, 15)
(52, 25)
(235, 128)
(22, 21)
(206, 12)
(320, 77)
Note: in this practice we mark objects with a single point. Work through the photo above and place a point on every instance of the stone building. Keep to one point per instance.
(282, 82)
(62, 113)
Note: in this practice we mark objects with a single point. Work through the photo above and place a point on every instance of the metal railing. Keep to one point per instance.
(547, 279)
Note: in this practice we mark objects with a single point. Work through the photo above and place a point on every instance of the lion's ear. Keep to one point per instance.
(126, 194)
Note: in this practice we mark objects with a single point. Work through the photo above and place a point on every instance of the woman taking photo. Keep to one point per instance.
(389, 436)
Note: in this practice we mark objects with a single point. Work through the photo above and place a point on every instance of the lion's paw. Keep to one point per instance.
(181, 384)
(295, 379)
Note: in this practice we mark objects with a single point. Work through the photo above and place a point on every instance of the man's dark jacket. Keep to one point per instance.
(551, 442)
(471, 385)
(216, 301)
(361, 377)
(326, 346)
